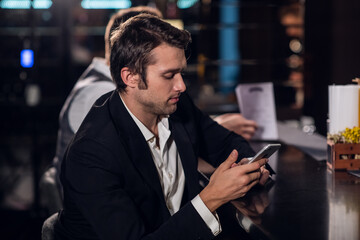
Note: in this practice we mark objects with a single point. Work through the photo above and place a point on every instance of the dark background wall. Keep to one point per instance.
(332, 32)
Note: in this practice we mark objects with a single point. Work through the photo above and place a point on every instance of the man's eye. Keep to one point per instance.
(169, 76)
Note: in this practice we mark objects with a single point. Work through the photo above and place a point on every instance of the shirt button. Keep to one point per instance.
(152, 140)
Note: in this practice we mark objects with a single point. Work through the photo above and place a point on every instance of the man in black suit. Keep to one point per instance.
(131, 170)
(96, 81)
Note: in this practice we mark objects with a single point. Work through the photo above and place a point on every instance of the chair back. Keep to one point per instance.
(47, 231)
(50, 192)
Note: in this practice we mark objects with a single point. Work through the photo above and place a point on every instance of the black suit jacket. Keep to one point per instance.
(111, 185)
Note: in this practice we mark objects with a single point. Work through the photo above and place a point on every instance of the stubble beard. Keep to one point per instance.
(164, 109)
(156, 108)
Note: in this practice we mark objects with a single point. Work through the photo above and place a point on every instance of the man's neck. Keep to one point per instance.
(149, 120)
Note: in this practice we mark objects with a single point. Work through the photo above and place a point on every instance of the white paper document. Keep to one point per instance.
(256, 102)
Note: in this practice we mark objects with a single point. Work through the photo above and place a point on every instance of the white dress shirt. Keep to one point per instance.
(171, 173)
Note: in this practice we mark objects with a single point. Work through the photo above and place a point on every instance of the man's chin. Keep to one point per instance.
(171, 110)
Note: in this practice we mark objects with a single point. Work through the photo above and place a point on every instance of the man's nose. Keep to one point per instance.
(179, 84)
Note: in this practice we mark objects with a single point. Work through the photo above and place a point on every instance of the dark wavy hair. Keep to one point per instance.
(132, 43)
(121, 16)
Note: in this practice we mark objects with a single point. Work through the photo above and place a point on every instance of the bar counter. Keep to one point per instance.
(305, 200)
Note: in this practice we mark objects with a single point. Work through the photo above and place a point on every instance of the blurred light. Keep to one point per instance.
(32, 95)
(229, 50)
(25, 4)
(15, 4)
(105, 4)
(295, 46)
(182, 4)
(294, 61)
(42, 4)
(46, 16)
(27, 58)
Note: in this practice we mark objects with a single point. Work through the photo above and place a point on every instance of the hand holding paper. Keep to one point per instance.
(256, 102)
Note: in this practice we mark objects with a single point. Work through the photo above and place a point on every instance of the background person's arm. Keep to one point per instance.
(237, 123)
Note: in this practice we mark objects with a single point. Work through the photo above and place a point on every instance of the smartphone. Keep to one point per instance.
(266, 152)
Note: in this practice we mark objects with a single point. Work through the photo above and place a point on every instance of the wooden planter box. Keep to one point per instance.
(342, 156)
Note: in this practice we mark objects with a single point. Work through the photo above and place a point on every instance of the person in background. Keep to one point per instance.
(130, 172)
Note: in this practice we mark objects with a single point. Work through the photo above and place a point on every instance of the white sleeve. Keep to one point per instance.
(84, 100)
(211, 220)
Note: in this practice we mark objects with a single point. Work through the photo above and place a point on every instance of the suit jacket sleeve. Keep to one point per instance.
(212, 142)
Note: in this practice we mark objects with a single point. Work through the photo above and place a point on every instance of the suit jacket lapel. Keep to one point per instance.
(187, 155)
(139, 151)
(140, 154)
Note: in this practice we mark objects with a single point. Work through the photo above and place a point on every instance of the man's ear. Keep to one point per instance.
(129, 78)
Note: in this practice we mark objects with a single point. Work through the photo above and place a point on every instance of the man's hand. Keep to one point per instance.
(237, 123)
(264, 172)
(264, 175)
(230, 182)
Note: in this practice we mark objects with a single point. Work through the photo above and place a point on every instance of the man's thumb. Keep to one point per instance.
(230, 160)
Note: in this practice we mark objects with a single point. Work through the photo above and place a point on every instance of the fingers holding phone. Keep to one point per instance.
(231, 181)
(264, 173)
